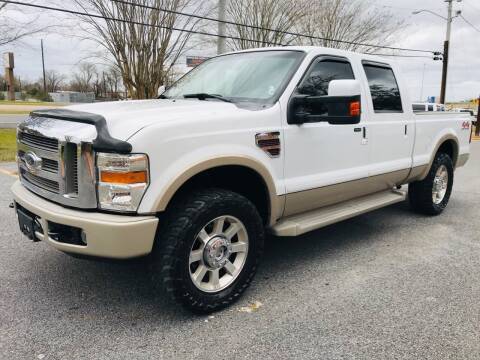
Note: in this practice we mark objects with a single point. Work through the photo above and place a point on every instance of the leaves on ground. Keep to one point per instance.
(252, 307)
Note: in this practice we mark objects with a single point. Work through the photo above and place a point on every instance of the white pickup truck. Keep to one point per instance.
(280, 140)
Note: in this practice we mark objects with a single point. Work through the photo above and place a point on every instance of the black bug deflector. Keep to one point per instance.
(103, 142)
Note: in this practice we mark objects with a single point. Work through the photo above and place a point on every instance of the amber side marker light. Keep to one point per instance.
(355, 108)
(133, 177)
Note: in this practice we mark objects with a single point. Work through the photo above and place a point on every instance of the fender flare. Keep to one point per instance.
(276, 202)
(440, 142)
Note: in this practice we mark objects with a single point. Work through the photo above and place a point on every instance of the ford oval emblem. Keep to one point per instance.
(32, 161)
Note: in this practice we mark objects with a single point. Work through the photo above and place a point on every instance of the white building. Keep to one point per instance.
(73, 97)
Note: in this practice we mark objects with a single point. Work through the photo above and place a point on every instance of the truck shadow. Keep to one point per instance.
(124, 289)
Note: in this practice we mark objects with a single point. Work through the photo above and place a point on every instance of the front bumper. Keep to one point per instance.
(107, 235)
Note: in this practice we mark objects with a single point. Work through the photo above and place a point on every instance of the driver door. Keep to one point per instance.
(324, 163)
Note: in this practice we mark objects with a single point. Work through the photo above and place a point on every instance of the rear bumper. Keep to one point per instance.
(107, 236)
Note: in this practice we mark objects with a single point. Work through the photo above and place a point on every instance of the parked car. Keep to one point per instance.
(280, 140)
(419, 107)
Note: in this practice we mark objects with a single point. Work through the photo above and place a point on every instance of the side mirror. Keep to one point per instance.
(161, 90)
(344, 88)
(342, 106)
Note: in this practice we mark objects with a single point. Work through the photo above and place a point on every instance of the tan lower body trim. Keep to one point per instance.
(417, 173)
(316, 198)
(107, 235)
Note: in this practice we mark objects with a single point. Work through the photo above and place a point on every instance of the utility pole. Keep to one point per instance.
(43, 65)
(446, 44)
(8, 61)
(446, 50)
(221, 40)
(477, 126)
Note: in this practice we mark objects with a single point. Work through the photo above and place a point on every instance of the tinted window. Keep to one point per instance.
(320, 74)
(384, 89)
(430, 107)
(318, 78)
(418, 107)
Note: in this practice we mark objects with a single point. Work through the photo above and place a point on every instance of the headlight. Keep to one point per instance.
(122, 180)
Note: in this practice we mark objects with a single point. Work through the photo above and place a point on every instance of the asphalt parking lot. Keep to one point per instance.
(389, 284)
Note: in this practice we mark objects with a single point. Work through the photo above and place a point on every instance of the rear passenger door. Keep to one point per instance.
(390, 125)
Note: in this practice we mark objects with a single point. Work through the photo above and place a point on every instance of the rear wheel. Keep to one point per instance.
(208, 248)
(431, 195)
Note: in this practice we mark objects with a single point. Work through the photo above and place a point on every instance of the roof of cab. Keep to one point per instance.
(319, 50)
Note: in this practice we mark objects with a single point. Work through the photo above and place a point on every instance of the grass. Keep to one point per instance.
(8, 146)
(14, 112)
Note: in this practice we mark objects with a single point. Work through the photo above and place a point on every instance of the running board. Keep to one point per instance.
(302, 223)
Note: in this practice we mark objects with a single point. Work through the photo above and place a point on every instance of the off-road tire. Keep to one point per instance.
(176, 235)
(420, 192)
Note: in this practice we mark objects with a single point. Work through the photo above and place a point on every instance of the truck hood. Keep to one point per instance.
(125, 118)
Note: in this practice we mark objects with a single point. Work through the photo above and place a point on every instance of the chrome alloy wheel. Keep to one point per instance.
(218, 254)
(440, 185)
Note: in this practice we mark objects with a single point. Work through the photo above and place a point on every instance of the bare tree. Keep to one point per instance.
(83, 79)
(143, 44)
(281, 15)
(354, 21)
(12, 29)
(54, 80)
(113, 81)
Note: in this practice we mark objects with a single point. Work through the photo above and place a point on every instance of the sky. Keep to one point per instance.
(63, 51)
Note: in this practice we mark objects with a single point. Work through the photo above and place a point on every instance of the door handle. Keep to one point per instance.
(364, 136)
(357, 130)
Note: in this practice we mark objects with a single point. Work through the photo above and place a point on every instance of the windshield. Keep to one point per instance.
(258, 77)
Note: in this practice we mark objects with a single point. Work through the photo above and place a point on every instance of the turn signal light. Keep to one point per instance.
(355, 108)
(133, 177)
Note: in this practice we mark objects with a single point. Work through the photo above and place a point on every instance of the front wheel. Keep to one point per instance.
(431, 195)
(208, 248)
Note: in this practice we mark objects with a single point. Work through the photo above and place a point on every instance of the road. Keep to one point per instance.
(9, 113)
(11, 121)
(386, 285)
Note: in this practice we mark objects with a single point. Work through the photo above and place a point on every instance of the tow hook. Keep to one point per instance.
(11, 205)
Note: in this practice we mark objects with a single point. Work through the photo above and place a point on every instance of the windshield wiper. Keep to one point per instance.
(203, 96)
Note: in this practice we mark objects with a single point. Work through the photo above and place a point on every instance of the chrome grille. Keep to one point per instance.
(40, 142)
(55, 164)
(43, 183)
(75, 174)
(50, 165)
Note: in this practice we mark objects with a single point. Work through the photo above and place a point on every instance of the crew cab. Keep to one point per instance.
(277, 140)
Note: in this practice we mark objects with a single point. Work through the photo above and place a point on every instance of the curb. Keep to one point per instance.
(12, 173)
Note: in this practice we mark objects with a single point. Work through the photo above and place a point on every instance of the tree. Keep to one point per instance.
(282, 15)
(12, 30)
(54, 80)
(144, 54)
(348, 20)
(83, 79)
(113, 79)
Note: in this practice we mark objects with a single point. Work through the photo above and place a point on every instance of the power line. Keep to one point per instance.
(97, 16)
(401, 7)
(469, 23)
(266, 29)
